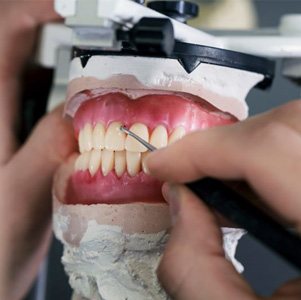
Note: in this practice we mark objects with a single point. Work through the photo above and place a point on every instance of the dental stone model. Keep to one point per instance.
(108, 213)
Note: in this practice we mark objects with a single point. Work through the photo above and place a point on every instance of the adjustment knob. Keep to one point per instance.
(178, 10)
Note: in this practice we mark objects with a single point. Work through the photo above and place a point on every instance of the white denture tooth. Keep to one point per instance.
(82, 162)
(133, 161)
(78, 163)
(159, 137)
(99, 136)
(81, 142)
(115, 138)
(143, 156)
(95, 161)
(131, 144)
(176, 135)
(120, 163)
(107, 163)
(87, 137)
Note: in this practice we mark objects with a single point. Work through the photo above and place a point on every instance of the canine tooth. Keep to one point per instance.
(82, 162)
(95, 161)
(159, 137)
(107, 162)
(78, 163)
(81, 143)
(133, 161)
(177, 134)
(131, 144)
(115, 138)
(120, 163)
(85, 160)
(99, 136)
(87, 137)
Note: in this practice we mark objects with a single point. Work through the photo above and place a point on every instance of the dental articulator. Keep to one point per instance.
(118, 29)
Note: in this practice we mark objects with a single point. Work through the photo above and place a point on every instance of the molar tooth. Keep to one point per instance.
(159, 137)
(115, 138)
(131, 144)
(81, 143)
(176, 135)
(95, 161)
(87, 137)
(120, 163)
(107, 162)
(99, 136)
(133, 161)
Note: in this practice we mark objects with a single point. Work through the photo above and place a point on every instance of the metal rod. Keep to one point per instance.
(138, 138)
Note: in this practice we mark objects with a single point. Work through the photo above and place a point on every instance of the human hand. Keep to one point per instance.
(264, 151)
(25, 172)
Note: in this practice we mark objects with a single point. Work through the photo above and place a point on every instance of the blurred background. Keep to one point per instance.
(263, 270)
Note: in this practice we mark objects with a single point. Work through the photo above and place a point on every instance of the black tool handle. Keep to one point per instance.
(240, 211)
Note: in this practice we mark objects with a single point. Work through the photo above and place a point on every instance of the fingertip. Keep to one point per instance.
(152, 162)
(58, 135)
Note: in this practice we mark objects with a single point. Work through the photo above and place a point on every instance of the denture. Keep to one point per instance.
(110, 168)
(108, 212)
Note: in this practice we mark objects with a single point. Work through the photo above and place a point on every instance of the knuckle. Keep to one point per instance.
(292, 107)
(267, 132)
(287, 112)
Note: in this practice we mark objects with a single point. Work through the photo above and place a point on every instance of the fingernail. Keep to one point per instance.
(171, 194)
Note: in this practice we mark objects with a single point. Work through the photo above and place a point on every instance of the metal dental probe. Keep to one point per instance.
(240, 211)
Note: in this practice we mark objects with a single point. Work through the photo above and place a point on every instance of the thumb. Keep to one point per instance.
(194, 265)
(33, 166)
(25, 205)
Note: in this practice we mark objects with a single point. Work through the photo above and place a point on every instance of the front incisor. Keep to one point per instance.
(107, 162)
(120, 162)
(133, 145)
(133, 161)
(115, 138)
(95, 161)
(159, 137)
(177, 134)
(99, 136)
(143, 157)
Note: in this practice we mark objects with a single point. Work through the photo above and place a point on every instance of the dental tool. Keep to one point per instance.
(138, 138)
(241, 212)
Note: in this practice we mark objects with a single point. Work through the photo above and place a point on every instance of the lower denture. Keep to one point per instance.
(110, 167)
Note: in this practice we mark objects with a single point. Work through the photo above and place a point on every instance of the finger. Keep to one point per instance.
(194, 264)
(262, 151)
(8, 119)
(290, 290)
(19, 21)
(42, 11)
(26, 196)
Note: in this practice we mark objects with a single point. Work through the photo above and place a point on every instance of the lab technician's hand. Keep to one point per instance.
(265, 151)
(25, 172)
